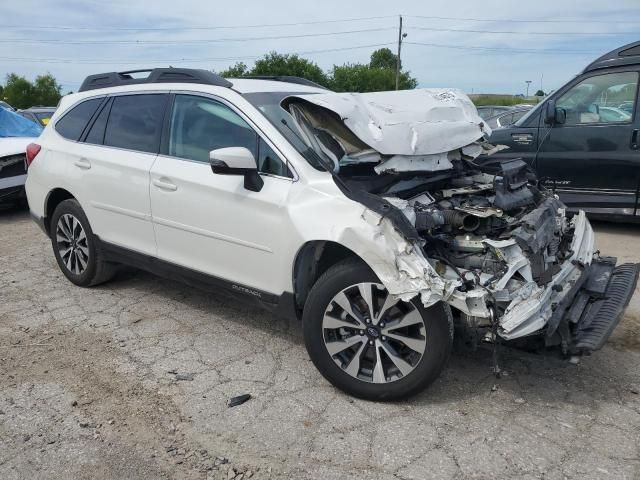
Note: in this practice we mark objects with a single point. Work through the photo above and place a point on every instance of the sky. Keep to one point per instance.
(487, 46)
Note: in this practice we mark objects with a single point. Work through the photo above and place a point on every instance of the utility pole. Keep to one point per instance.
(400, 37)
(528, 82)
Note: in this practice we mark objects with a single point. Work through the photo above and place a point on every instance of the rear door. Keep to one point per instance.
(111, 168)
(592, 159)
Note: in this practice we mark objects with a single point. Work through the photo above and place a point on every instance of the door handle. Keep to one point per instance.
(83, 163)
(634, 139)
(164, 184)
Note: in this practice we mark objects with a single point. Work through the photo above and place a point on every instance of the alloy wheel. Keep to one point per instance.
(372, 335)
(73, 247)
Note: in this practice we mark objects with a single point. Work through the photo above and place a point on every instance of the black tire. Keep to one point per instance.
(97, 270)
(438, 332)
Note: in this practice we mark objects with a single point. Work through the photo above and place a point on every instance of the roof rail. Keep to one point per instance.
(288, 79)
(626, 55)
(156, 75)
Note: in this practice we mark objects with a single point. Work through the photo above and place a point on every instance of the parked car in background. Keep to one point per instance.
(613, 115)
(583, 140)
(16, 133)
(488, 111)
(507, 118)
(40, 115)
(363, 215)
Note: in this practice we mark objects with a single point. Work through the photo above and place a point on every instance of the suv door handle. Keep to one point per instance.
(165, 185)
(83, 163)
(634, 139)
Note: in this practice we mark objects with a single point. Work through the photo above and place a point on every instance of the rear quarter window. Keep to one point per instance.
(73, 123)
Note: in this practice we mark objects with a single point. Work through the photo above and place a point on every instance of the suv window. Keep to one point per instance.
(135, 122)
(73, 123)
(96, 133)
(199, 125)
(600, 99)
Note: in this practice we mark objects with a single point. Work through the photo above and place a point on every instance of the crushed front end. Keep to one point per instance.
(492, 243)
(522, 268)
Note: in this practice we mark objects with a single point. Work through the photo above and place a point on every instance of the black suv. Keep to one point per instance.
(583, 139)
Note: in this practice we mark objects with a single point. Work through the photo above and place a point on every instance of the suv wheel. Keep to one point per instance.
(368, 343)
(75, 247)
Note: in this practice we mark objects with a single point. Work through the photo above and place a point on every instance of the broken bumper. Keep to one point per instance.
(578, 309)
(582, 305)
(599, 305)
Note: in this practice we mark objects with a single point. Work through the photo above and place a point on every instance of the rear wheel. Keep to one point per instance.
(76, 248)
(369, 343)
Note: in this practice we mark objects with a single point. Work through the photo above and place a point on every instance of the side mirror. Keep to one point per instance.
(554, 115)
(550, 112)
(237, 161)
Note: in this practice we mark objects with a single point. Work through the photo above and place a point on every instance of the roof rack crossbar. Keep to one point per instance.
(156, 75)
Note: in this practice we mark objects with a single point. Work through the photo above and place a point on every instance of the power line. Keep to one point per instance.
(503, 49)
(161, 29)
(183, 60)
(172, 42)
(512, 20)
(512, 32)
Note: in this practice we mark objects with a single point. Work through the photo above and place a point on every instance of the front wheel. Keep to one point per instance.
(369, 343)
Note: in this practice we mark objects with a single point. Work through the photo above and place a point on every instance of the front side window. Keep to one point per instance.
(601, 99)
(199, 125)
(73, 123)
(135, 122)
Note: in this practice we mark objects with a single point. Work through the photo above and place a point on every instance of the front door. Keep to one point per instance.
(209, 222)
(592, 159)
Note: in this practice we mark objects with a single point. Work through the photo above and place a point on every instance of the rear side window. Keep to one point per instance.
(135, 122)
(96, 133)
(72, 124)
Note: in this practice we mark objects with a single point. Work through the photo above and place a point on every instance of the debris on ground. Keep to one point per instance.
(239, 400)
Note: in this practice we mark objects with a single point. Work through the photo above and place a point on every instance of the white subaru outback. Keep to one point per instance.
(362, 214)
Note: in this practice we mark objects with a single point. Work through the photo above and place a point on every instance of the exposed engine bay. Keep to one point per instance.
(494, 245)
(497, 237)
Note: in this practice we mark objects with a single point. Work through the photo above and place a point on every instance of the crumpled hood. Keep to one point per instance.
(406, 122)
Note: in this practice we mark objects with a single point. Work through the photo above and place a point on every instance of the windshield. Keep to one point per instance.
(269, 104)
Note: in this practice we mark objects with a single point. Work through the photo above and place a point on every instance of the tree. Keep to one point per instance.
(278, 64)
(384, 58)
(18, 91)
(378, 75)
(539, 93)
(47, 91)
(21, 93)
(240, 69)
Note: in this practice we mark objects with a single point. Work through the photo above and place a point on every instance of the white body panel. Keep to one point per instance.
(207, 222)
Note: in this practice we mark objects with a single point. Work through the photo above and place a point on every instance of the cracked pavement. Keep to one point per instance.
(131, 380)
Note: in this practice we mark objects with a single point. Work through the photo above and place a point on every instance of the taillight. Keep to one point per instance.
(32, 150)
